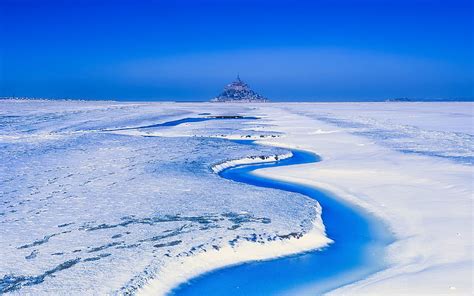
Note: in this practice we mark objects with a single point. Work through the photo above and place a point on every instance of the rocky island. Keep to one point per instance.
(239, 91)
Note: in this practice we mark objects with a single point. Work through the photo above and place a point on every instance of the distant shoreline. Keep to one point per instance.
(390, 100)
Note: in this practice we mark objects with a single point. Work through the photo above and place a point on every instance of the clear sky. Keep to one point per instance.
(188, 50)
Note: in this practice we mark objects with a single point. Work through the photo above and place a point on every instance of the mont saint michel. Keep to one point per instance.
(239, 91)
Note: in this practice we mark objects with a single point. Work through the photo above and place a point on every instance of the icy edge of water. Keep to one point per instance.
(249, 160)
(177, 272)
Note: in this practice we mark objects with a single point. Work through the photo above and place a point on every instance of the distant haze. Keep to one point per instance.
(285, 50)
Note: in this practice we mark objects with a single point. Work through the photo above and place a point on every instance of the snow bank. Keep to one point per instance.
(179, 271)
(425, 198)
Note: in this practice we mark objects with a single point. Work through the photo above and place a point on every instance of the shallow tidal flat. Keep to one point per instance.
(118, 198)
(87, 210)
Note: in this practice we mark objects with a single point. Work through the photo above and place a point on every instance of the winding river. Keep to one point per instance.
(357, 251)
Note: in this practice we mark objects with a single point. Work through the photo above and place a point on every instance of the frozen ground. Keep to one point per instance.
(443, 130)
(89, 211)
(408, 163)
(91, 203)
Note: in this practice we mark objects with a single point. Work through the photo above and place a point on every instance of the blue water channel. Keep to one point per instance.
(357, 251)
(184, 120)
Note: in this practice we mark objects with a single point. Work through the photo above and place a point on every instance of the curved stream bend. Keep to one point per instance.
(357, 251)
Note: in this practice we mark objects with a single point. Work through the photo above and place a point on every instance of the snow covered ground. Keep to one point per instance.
(85, 210)
(408, 163)
(92, 203)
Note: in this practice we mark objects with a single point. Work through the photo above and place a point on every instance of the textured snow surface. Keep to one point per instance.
(409, 164)
(92, 204)
(88, 211)
(444, 130)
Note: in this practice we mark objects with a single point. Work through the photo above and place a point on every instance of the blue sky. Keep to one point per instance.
(188, 50)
